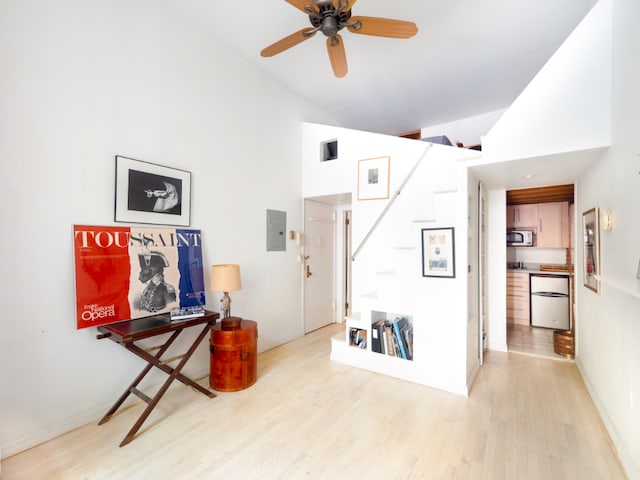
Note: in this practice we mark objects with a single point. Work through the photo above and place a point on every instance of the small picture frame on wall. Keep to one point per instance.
(150, 193)
(591, 249)
(438, 252)
(373, 178)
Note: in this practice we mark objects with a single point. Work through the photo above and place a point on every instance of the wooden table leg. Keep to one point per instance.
(168, 370)
(173, 374)
(139, 378)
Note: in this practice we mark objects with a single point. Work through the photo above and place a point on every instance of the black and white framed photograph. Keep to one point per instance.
(373, 178)
(438, 252)
(150, 193)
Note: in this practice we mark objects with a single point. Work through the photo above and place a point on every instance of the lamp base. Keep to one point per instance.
(230, 323)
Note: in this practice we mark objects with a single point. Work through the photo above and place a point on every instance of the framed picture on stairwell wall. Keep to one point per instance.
(373, 178)
(438, 252)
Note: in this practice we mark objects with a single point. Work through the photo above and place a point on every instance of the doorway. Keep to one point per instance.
(326, 260)
(548, 213)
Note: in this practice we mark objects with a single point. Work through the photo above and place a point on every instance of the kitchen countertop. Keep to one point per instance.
(536, 268)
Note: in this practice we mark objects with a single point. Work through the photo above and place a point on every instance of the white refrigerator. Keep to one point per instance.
(550, 301)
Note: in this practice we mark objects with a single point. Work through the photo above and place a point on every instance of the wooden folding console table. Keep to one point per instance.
(131, 331)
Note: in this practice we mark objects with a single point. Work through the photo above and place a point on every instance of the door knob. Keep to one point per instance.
(309, 271)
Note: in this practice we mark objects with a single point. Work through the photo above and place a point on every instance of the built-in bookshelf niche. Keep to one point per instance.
(392, 334)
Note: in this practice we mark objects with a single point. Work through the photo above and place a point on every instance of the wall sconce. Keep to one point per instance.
(606, 220)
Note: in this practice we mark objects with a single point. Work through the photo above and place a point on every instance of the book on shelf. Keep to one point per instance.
(408, 336)
(388, 336)
(358, 338)
(185, 313)
(401, 327)
(393, 338)
(377, 337)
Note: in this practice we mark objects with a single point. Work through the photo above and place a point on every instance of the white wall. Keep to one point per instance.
(83, 81)
(387, 274)
(585, 97)
(536, 255)
(566, 107)
(609, 322)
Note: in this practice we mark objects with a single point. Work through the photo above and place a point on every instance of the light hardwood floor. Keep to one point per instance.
(308, 417)
(533, 340)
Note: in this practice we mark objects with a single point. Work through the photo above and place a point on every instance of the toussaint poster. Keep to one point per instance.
(124, 273)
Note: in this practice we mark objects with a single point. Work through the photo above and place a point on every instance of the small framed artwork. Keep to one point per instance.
(591, 249)
(373, 178)
(438, 252)
(150, 193)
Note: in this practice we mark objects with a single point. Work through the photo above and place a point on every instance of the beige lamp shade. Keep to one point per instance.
(225, 277)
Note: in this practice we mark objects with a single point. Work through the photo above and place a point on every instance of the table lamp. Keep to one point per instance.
(226, 278)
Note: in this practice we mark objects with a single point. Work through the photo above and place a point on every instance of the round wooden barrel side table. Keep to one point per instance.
(234, 356)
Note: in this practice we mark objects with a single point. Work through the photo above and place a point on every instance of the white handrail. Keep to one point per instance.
(386, 209)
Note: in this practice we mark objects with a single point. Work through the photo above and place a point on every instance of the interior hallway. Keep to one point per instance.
(308, 417)
(531, 340)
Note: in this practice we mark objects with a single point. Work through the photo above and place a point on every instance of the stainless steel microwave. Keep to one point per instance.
(520, 238)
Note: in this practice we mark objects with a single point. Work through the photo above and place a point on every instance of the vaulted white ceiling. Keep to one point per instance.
(469, 56)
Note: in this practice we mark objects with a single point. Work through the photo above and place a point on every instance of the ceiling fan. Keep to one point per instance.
(331, 16)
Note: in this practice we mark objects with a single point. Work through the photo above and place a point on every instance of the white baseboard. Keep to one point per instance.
(90, 416)
(53, 431)
(498, 347)
(631, 469)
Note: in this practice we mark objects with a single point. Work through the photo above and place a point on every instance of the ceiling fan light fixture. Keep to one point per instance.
(330, 17)
(330, 26)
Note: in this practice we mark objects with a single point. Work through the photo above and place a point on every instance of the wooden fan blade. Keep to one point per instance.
(287, 42)
(337, 55)
(383, 27)
(351, 3)
(300, 4)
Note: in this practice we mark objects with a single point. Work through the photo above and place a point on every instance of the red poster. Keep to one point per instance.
(127, 272)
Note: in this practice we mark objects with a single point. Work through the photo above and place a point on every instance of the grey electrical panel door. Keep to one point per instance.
(276, 231)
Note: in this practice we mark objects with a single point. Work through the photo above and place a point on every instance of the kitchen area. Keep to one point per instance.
(540, 286)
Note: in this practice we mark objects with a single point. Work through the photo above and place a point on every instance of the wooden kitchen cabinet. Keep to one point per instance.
(553, 225)
(518, 298)
(550, 222)
(234, 356)
(522, 216)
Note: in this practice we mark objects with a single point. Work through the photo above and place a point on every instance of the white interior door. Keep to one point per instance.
(482, 272)
(346, 258)
(319, 220)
